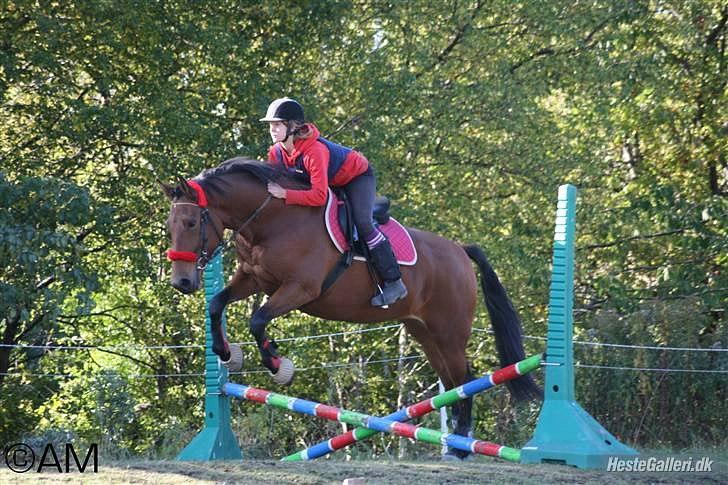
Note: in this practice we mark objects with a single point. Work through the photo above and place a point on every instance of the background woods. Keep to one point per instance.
(472, 114)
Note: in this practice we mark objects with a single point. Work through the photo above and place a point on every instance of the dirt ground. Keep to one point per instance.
(358, 472)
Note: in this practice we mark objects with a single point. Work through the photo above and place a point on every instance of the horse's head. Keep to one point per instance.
(194, 234)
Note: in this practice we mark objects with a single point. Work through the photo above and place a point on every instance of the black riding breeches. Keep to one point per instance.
(361, 192)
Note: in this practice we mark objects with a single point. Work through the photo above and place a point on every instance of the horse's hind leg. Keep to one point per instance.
(462, 419)
(444, 345)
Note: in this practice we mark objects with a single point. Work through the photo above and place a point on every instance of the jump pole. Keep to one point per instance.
(371, 422)
(421, 408)
(566, 433)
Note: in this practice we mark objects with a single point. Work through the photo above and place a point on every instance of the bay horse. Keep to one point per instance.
(284, 251)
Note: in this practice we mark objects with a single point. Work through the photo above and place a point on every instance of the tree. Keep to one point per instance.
(472, 113)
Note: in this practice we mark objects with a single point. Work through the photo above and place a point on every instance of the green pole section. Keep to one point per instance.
(216, 441)
(566, 433)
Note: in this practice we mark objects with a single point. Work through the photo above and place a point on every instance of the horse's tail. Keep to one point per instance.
(506, 326)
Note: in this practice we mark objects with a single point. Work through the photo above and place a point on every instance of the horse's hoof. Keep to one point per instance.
(235, 362)
(284, 376)
(460, 456)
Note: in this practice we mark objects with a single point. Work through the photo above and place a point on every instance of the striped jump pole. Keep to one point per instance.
(421, 408)
(383, 424)
(371, 422)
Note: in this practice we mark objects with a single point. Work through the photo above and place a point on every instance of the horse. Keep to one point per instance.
(284, 252)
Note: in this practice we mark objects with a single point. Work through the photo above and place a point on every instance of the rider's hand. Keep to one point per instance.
(276, 190)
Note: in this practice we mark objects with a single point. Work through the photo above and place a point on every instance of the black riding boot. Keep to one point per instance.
(386, 265)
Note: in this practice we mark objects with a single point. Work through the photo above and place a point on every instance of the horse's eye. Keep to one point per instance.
(191, 224)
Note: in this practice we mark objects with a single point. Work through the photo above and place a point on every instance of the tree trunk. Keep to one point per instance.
(337, 388)
(9, 335)
(402, 394)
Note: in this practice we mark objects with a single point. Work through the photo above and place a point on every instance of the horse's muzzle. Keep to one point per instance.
(185, 285)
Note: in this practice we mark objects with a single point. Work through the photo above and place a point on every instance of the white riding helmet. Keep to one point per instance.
(284, 109)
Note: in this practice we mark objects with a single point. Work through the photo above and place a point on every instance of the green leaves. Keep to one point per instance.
(472, 114)
(46, 230)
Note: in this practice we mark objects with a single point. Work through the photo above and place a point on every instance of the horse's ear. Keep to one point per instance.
(169, 190)
(185, 189)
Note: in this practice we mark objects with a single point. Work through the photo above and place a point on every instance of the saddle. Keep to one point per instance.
(340, 226)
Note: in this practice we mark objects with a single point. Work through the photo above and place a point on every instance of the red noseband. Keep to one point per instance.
(173, 255)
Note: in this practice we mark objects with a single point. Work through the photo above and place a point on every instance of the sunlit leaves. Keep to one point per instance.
(472, 114)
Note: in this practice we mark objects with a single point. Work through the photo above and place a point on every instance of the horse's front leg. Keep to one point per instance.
(241, 286)
(288, 297)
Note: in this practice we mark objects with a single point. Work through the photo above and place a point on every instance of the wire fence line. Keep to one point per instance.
(624, 346)
(339, 334)
(328, 365)
(103, 347)
(130, 376)
(191, 346)
(331, 365)
(653, 369)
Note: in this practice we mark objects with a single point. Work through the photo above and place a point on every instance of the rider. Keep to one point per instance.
(299, 147)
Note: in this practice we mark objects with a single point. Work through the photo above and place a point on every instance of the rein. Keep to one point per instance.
(202, 258)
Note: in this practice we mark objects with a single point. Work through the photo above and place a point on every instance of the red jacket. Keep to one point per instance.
(316, 163)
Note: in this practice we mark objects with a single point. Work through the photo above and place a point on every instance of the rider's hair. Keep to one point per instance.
(299, 130)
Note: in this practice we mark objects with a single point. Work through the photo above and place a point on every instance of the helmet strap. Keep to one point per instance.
(290, 131)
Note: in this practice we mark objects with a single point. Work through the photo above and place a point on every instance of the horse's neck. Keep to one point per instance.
(248, 196)
(235, 211)
(274, 220)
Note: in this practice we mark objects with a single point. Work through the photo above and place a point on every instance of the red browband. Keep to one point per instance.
(173, 255)
(201, 198)
(189, 256)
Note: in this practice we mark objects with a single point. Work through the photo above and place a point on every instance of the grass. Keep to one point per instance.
(479, 470)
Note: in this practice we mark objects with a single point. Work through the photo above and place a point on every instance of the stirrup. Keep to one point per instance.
(392, 292)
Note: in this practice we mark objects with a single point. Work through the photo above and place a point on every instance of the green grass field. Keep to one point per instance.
(480, 470)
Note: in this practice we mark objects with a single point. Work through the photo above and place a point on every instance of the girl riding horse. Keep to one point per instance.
(300, 148)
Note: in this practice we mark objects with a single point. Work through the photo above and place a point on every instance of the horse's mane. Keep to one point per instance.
(218, 179)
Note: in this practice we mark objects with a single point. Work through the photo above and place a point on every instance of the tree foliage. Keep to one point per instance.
(472, 114)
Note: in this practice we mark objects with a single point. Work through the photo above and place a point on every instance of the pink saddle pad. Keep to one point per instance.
(399, 238)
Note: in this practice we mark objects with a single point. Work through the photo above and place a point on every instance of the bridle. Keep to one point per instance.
(202, 257)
